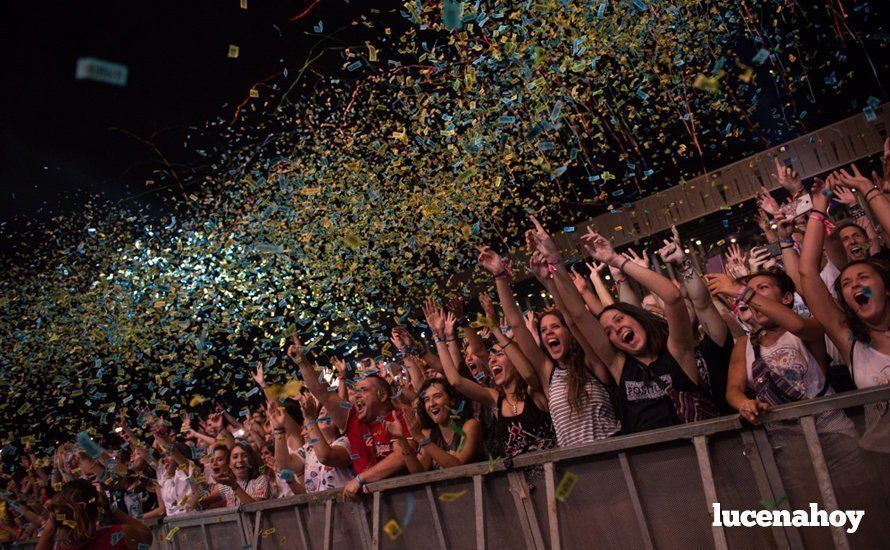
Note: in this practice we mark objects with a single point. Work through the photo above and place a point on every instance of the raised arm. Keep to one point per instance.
(807, 329)
(873, 195)
(468, 388)
(495, 265)
(681, 341)
(822, 305)
(327, 454)
(519, 360)
(338, 412)
(708, 315)
(281, 429)
(602, 291)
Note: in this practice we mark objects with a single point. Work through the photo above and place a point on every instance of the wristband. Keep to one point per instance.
(619, 281)
(502, 275)
(554, 261)
(786, 240)
(309, 422)
(786, 246)
(359, 481)
(624, 263)
(870, 191)
(420, 445)
(743, 295)
(821, 213)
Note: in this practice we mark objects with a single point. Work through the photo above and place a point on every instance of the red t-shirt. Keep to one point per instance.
(369, 442)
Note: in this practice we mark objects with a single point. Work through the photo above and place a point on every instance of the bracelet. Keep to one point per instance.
(278, 431)
(624, 263)
(818, 216)
(821, 213)
(358, 480)
(554, 262)
(420, 444)
(743, 296)
(870, 191)
(786, 240)
(502, 275)
(309, 423)
(619, 281)
(509, 343)
(786, 246)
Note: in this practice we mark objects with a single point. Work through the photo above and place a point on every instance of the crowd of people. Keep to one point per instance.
(772, 325)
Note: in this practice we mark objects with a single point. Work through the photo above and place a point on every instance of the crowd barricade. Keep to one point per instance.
(649, 490)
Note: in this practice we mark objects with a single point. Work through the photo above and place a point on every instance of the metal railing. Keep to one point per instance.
(648, 490)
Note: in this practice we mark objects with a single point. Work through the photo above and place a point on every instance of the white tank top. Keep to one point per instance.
(790, 358)
(869, 366)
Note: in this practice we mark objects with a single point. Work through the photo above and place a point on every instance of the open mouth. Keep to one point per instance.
(856, 251)
(626, 335)
(862, 297)
(554, 345)
(496, 370)
(435, 410)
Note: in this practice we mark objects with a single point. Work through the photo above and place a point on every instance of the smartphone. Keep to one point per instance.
(775, 249)
(804, 205)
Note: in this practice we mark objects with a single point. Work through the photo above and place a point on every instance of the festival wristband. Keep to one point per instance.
(359, 481)
(870, 191)
(624, 263)
(502, 275)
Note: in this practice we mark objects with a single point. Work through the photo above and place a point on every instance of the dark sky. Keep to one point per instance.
(56, 134)
(58, 145)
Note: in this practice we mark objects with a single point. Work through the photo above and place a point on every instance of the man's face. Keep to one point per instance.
(369, 400)
(855, 243)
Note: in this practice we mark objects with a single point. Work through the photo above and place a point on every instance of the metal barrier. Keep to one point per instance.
(648, 490)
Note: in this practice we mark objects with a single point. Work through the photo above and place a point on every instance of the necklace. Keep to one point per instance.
(512, 404)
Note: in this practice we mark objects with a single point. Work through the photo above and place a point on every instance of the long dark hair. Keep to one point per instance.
(574, 361)
(852, 321)
(656, 329)
(463, 409)
(253, 459)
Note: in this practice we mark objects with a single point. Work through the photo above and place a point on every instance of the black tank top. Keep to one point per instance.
(644, 401)
(530, 430)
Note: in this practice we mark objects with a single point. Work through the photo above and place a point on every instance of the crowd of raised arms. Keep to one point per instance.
(764, 329)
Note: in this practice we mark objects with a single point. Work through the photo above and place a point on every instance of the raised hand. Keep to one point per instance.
(491, 261)
(788, 178)
(856, 180)
(543, 242)
(434, 317)
(295, 350)
(414, 427)
(400, 338)
(531, 323)
(598, 247)
(538, 266)
(821, 191)
(275, 414)
(309, 406)
(259, 375)
(642, 261)
(394, 429)
(758, 258)
(735, 262)
(762, 219)
(449, 321)
(766, 202)
(718, 283)
(672, 252)
(456, 306)
(488, 307)
(581, 282)
(844, 195)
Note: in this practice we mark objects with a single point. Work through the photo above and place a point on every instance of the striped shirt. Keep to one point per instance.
(594, 420)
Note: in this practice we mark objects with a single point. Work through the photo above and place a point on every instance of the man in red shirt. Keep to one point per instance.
(363, 420)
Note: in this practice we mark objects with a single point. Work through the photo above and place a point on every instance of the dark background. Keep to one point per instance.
(65, 141)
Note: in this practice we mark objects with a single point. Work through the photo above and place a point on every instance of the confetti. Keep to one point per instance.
(392, 529)
(566, 484)
(449, 497)
(234, 51)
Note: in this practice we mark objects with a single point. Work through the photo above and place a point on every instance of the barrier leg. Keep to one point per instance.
(552, 511)
(635, 501)
(707, 481)
(823, 478)
(437, 517)
(479, 504)
(526, 511)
